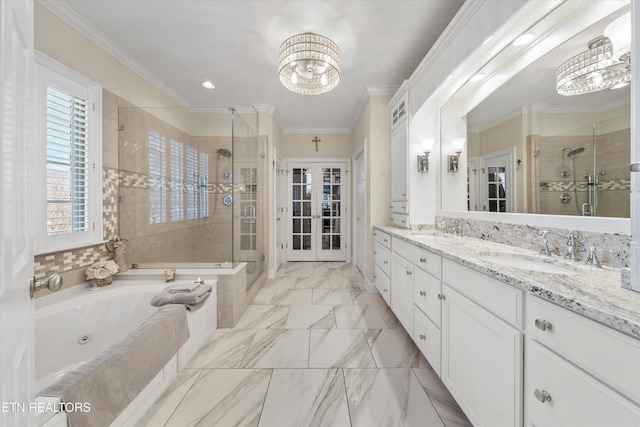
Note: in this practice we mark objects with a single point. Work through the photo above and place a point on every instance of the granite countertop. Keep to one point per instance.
(593, 292)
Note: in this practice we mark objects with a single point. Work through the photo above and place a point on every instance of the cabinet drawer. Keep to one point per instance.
(607, 354)
(400, 220)
(427, 337)
(499, 298)
(421, 258)
(576, 398)
(400, 207)
(382, 258)
(426, 291)
(383, 238)
(383, 284)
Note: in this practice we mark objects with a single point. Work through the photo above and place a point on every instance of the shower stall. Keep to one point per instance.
(191, 189)
(585, 171)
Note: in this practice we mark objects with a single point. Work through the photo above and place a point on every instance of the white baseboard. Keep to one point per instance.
(371, 287)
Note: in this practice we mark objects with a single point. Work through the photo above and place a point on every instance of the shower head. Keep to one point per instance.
(575, 151)
(224, 152)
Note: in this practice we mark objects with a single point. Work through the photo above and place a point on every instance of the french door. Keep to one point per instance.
(317, 212)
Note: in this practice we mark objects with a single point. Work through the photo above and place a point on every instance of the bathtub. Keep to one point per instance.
(74, 325)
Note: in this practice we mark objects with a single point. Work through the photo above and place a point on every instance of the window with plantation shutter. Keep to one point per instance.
(204, 185)
(67, 168)
(177, 180)
(157, 178)
(192, 183)
(70, 171)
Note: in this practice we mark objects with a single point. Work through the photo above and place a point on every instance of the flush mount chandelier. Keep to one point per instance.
(606, 65)
(309, 64)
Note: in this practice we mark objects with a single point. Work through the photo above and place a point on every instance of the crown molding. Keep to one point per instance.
(324, 131)
(369, 91)
(72, 18)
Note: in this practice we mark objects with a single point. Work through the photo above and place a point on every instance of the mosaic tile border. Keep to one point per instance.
(608, 185)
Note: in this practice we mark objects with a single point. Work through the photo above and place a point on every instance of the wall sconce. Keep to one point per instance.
(423, 159)
(453, 159)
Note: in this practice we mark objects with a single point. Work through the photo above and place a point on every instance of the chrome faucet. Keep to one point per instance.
(571, 244)
(593, 259)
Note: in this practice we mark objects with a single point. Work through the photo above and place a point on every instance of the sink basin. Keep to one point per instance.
(527, 262)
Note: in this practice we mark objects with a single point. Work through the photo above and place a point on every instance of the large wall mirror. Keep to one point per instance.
(528, 149)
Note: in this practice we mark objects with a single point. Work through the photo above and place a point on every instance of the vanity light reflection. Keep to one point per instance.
(454, 159)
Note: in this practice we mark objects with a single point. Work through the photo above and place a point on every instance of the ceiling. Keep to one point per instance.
(234, 44)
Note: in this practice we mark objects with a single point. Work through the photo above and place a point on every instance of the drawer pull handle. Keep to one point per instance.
(374, 252)
(385, 240)
(423, 337)
(543, 325)
(385, 290)
(423, 260)
(542, 395)
(441, 296)
(423, 293)
(385, 262)
(408, 273)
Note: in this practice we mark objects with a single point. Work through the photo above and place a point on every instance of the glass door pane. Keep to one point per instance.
(331, 245)
(301, 244)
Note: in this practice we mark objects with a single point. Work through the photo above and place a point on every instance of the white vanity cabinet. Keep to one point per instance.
(578, 372)
(400, 159)
(382, 259)
(482, 346)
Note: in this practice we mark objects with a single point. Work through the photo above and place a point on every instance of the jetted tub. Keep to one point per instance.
(74, 325)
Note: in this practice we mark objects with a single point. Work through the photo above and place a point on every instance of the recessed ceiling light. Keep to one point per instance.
(477, 77)
(523, 39)
(208, 85)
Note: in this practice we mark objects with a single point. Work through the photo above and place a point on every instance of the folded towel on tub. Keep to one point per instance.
(189, 287)
(192, 300)
(115, 377)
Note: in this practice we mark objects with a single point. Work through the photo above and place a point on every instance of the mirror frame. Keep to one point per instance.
(562, 22)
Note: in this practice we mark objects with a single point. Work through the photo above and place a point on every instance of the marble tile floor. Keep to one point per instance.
(313, 349)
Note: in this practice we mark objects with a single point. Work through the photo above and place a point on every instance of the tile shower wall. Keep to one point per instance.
(194, 240)
(612, 249)
(612, 158)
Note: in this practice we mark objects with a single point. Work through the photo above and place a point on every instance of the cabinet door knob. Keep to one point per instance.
(385, 240)
(385, 262)
(385, 290)
(543, 325)
(542, 395)
(423, 337)
(408, 273)
(374, 252)
(441, 296)
(423, 260)
(423, 293)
